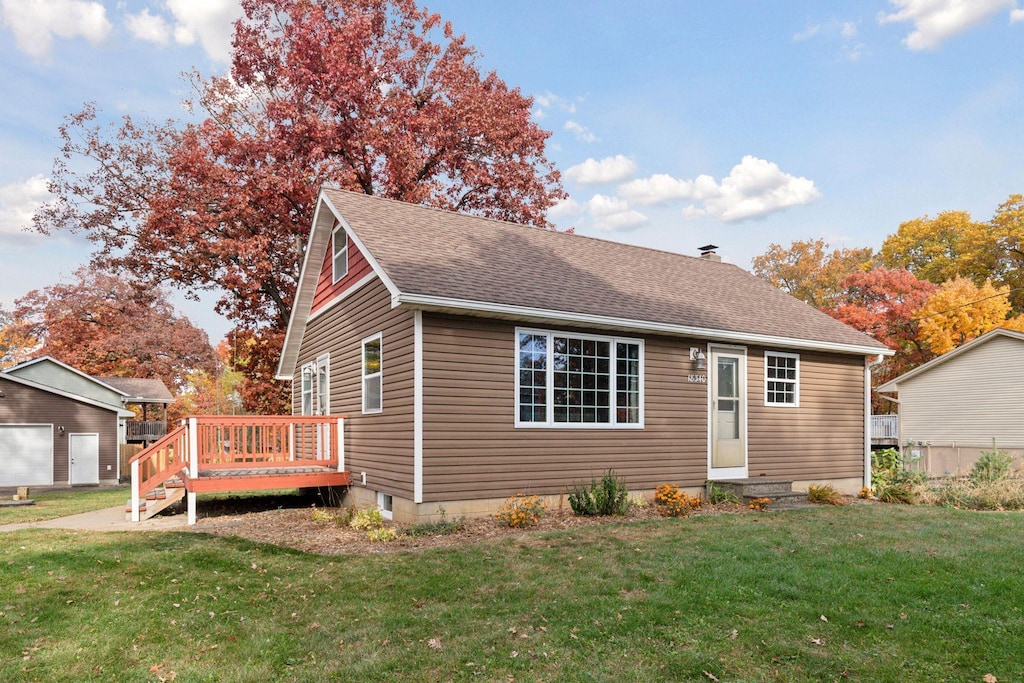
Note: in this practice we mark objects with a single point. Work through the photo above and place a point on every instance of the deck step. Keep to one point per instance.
(151, 506)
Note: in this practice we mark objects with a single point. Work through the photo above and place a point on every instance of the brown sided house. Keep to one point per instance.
(476, 359)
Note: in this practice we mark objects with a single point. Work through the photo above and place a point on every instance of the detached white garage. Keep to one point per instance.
(26, 455)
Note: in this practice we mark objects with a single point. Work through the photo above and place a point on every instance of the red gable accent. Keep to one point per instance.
(326, 291)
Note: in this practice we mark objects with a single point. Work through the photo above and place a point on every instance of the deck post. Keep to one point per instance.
(135, 491)
(340, 441)
(193, 465)
(291, 441)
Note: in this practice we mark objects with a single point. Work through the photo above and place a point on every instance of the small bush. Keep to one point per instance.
(890, 482)
(718, 494)
(991, 466)
(606, 497)
(823, 495)
(521, 511)
(865, 493)
(367, 519)
(381, 535)
(322, 515)
(672, 502)
(760, 504)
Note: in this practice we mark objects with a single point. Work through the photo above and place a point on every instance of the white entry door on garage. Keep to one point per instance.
(26, 455)
(85, 458)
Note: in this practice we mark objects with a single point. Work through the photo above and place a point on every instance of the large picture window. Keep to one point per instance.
(372, 374)
(571, 380)
(781, 379)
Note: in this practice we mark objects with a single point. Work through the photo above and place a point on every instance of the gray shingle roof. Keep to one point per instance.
(430, 252)
(140, 390)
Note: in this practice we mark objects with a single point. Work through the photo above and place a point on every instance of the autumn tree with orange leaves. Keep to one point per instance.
(106, 325)
(376, 96)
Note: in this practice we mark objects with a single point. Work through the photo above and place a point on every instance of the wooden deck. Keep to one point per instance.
(215, 453)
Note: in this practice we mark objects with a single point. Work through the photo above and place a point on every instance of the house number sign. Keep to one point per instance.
(697, 379)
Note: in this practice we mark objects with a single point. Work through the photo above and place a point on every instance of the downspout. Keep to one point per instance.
(867, 417)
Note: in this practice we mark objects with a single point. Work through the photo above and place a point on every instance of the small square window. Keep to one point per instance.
(386, 505)
(781, 379)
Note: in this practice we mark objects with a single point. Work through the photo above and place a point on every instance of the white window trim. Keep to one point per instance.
(335, 275)
(322, 363)
(550, 423)
(796, 380)
(363, 376)
(386, 514)
(311, 368)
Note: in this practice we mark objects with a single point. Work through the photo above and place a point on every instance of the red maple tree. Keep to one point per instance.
(377, 96)
(106, 325)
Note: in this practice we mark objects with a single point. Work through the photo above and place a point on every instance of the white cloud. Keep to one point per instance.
(662, 187)
(807, 33)
(754, 188)
(19, 202)
(608, 170)
(34, 23)
(565, 208)
(848, 30)
(936, 20)
(1016, 15)
(581, 132)
(207, 22)
(547, 100)
(612, 214)
(149, 27)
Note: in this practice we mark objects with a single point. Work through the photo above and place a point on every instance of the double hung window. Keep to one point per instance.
(781, 379)
(372, 374)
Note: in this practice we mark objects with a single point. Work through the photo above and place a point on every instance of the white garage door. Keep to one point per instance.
(26, 455)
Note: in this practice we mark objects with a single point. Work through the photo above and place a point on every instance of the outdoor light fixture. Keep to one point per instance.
(60, 430)
(698, 358)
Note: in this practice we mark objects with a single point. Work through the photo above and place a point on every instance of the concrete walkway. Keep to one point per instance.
(107, 519)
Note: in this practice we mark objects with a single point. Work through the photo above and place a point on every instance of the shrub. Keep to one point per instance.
(521, 511)
(381, 535)
(322, 515)
(991, 466)
(865, 493)
(967, 494)
(672, 502)
(718, 494)
(367, 519)
(890, 482)
(606, 497)
(823, 495)
(760, 504)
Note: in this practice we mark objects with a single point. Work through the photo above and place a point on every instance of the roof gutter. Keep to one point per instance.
(441, 304)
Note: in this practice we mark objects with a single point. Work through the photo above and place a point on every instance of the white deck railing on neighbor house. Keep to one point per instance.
(885, 428)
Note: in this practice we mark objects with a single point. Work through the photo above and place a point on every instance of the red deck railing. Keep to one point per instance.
(218, 442)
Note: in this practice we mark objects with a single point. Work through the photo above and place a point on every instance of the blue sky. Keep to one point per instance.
(674, 123)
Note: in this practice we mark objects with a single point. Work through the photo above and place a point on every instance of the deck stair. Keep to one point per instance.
(157, 500)
(779, 491)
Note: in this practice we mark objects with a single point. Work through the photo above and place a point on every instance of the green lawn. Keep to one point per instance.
(61, 503)
(860, 593)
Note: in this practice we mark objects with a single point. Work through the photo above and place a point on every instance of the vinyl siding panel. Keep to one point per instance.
(821, 438)
(472, 448)
(380, 444)
(971, 399)
(28, 405)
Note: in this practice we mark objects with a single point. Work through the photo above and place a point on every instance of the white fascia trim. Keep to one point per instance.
(286, 348)
(356, 286)
(417, 409)
(121, 412)
(586, 319)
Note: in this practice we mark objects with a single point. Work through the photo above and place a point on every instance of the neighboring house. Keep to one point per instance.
(144, 393)
(475, 359)
(50, 435)
(963, 403)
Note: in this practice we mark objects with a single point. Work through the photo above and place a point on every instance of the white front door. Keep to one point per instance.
(727, 391)
(85, 458)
